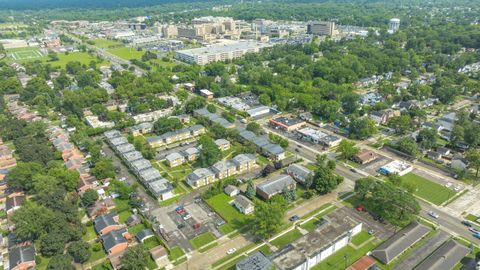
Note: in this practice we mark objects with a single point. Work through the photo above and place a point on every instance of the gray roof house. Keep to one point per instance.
(445, 257)
(299, 172)
(400, 242)
(21, 255)
(243, 204)
(149, 175)
(144, 235)
(161, 188)
(118, 141)
(103, 222)
(114, 238)
(141, 164)
(199, 174)
(132, 156)
(112, 134)
(275, 185)
(241, 159)
(231, 190)
(223, 168)
(191, 152)
(256, 261)
(125, 148)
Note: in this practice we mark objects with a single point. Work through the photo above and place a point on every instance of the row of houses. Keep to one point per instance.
(152, 116)
(224, 168)
(160, 187)
(264, 146)
(191, 154)
(213, 118)
(19, 110)
(176, 136)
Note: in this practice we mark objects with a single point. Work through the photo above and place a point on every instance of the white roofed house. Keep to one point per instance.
(299, 173)
(175, 159)
(243, 204)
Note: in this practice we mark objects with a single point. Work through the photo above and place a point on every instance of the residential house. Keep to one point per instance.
(222, 144)
(224, 168)
(382, 117)
(21, 258)
(243, 204)
(275, 185)
(299, 172)
(144, 235)
(116, 241)
(159, 255)
(244, 162)
(87, 181)
(447, 256)
(206, 93)
(434, 155)
(364, 156)
(443, 151)
(133, 220)
(459, 163)
(100, 207)
(174, 159)
(142, 128)
(106, 223)
(231, 190)
(191, 154)
(200, 177)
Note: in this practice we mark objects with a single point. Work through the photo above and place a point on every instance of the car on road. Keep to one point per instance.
(371, 232)
(187, 217)
(294, 218)
(231, 251)
(467, 223)
(477, 235)
(353, 170)
(474, 230)
(297, 150)
(180, 226)
(181, 211)
(433, 214)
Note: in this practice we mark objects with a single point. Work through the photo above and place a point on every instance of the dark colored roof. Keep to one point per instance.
(18, 255)
(276, 184)
(256, 261)
(400, 242)
(144, 234)
(445, 257)
(113, 238)
(14, 202)
(102, 222)
(132, 218)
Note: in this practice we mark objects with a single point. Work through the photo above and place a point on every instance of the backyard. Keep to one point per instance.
(221, 204)
(202, 240)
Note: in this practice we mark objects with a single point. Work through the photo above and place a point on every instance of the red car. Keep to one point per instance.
(181, 211)
(360, 208)
(196, 226)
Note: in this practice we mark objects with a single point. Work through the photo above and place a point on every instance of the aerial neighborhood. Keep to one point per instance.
(248, 135)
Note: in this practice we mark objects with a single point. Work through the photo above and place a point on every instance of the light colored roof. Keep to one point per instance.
(276, 184)
(445, 257)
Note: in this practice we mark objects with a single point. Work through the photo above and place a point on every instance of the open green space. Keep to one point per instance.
(287, 238)
(90, 233)
(136, 228)
(429, 190)
(310, 225)
(471, 217)
(151, 243)
(96, 255)
(220, 203)
(124, 215)
(175, 253)
(226, 228)
(126, 53)
(320, 209)
(106, 43)
(360, 238)
(82, 57)
(202, 240)
(344, 257)
(102, 266)
(43, 262)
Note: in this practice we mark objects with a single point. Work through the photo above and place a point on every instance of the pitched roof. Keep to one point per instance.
(21, 254)
(299, 171)
(445, 257)
(400, 242)
(102, 222)
(144, 234)
(158, 252)
(243, 201)
(113, 238)
(276, 184)
(173, 156)
(13, 202)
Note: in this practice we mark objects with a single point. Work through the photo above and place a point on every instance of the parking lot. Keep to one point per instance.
(380, 230)
(180, 230)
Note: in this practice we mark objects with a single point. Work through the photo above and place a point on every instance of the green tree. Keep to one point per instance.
(104, 169)
(250, 192)
(194, 104)
(80, 251)
(473, 157)
(427, 138)
(20, 177)
(210, 153)
(264, 99)
(408, 146)
(165, 124)
(89, 197)
(267, 218)
(347, 149)
(52, 243)
(211, 108)
(60, 262)
(135, 258)
(400, 124)
(31, 221)
(362, 128)
(254, 127)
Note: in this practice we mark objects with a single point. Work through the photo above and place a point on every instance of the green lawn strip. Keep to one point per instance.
(121, 205)
(225, 229)
(262, 160)
(97, 255)
(265, 249)
(177, 262)
(151, 243)
(175, 253)
(151, 264)
(170, 201)
(100, 266)
(318, 210)
(43, 262)
(90, 233)
(286, 238)
(344, 257)
(352, 163)
(310, 225)
(429, 190)
(207, 247)
(361, 237)
(233, 255)
(124, 215)
(136, 228)
(471, 217)
(202, 240)
(126, 53)
(106, 43)
(220, 203)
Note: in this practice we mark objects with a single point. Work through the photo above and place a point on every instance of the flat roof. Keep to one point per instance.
(224, 48)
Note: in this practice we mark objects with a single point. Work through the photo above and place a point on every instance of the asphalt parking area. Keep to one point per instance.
(380, 230)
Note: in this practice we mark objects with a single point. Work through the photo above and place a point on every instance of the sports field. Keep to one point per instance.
(428, 190)
(25, 54)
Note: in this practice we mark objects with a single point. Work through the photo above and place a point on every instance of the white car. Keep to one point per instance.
(186, 217)
(433, 214)
(231, 251)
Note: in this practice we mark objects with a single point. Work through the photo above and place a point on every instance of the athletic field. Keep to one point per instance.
(26, 54)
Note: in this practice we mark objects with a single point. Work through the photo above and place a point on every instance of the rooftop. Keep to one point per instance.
(445, 257)
(223, 48)
(256, 261)
(276, 184)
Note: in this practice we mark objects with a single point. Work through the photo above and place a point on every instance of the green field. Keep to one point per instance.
(106, 43)
(429, 190)
(287, 238)
(126, 53)
(23, 56)
(202, 240)
(175, 253)
(344, 257)
(361, 237)
(220, 203)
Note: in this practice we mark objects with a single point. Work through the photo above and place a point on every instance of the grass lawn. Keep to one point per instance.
(175, 253)
(232, 265)
(135, 229)
(286, 238)
(264, 249)
(121, 205)
(202, 240)
(90, 233)
(96, 255)
(170, 201)
(262, 160)
(220, 203)
(361, 237)
(226, 228)
(151, 243)
(321, 208)
(63, 59)
(107, 43)
(310, 225)
(471, 217)
(337, 260)
(207, 247)
(124, 215)
(44, 262)
(100, 266)
(429, 190)
(126, 53)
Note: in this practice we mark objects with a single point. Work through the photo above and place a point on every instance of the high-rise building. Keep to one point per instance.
(393, 25)
(321, 28)
(170, 31)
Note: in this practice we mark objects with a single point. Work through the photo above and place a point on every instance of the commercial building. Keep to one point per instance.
(445, 257)
(317, 136)
(275, 185)
(336, 232)
(399, 167)
(219, 52)
(400, 242)
(286, 123)
(256, 261)
(365, 156)
(321, 28)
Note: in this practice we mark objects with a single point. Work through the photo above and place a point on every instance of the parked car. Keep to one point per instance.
(294, 218)
(187, 217)
(467, 223)
(231, 251)
(178, 208)
(181, 211)
(196, 226)
(371, 232)
(433, 214)
(474, 230)
(353, 170)
(180, 226)
(360, 208)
